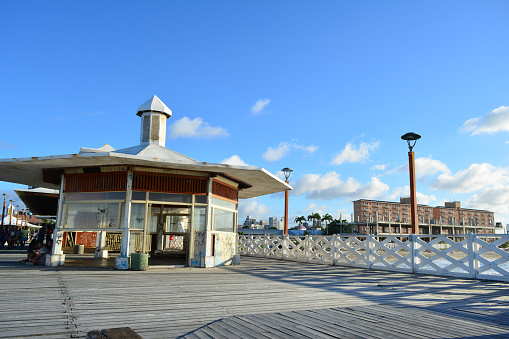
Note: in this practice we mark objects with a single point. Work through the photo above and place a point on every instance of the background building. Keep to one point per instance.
(447, 219)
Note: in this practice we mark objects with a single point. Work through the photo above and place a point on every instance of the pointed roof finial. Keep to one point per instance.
(153, 104)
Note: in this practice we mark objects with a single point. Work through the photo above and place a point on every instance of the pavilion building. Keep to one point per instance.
(153, 199)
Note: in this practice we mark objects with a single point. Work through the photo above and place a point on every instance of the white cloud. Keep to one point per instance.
(253, 208)
(352, 154)
(195, 128)
(329, 186)
(494, 199)
(259, 105)
(234, 160)
(474, 178)
(379, 167)
(308, 149)
(425, 167)
(314, 208)
(495, 121)
(401, 192)
(372, 190)
(274, 154)
(283, 149)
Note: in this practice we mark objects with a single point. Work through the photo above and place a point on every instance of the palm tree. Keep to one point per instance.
(314, 217)
(299, 220)
(327, 218)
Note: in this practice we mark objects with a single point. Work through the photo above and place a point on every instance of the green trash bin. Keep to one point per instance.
(139, 261)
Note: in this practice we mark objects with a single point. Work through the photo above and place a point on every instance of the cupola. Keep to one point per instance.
(154, 114)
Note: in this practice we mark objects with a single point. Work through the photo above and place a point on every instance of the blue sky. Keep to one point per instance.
(326, 88)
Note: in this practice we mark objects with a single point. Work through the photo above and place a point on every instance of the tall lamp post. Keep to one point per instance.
(287, 171)
(11, 211)
(412, 137)
(3, 210)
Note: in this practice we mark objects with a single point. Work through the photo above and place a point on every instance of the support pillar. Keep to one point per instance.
(122, 262)
(209, 239)
(57, 257)
(100, 246)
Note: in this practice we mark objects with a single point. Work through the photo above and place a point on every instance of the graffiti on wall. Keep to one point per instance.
(199, 249)
(224, 248)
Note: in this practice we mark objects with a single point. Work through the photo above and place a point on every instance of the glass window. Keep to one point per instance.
(93, 216)
(200, 199)
(168, 197)
(138, 195)
(223, 220)
(199, 221)
(137, 216)
(177, 223)
(152, 224)
(95, 196)
(224, 203)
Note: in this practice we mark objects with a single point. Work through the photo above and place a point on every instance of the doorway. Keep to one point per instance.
(169, 228)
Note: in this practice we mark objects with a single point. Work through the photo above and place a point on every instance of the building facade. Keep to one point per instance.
(447, 219)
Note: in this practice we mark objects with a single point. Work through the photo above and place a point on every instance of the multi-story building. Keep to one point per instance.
(273, 222)
(448, 219)
(453, 214)
(373, 210)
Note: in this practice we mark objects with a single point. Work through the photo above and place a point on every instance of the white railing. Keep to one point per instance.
(478, 256)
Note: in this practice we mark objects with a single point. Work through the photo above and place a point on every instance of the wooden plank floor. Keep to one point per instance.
(261, 298)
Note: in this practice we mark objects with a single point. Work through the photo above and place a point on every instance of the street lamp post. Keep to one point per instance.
(287, 171)
(412, 137)
(3, 210)
(17, 214)
(11, 211)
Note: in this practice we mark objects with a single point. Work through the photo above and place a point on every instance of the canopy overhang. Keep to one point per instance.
(30, 171)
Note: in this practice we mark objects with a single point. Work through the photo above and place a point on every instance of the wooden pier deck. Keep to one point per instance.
(261, 298)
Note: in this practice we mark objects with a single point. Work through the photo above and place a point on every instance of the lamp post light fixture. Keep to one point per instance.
(411, 139)
(286, 171)
(3, 210)
(11, 211)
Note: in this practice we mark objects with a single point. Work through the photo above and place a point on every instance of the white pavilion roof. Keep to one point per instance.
(154, 104)
(29, 171)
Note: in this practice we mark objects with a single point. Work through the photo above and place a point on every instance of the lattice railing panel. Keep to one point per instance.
(492, 259)
(391, 252)
(442, 255)
(473, 256)
(352, 251)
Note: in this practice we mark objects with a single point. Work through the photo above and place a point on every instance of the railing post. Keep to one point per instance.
(306, 247)
(413, 251)
(473, 263)
(334, 247)
(284, 246)
(370, 239)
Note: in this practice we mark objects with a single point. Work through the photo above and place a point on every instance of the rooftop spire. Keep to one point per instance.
(154, 104)
(153, 113)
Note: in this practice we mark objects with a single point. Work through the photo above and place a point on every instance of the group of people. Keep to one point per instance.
(14, 236)
(40, 244)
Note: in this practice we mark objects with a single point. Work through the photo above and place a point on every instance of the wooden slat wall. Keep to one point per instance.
(157, 182)
(94, 182)
(224, 191)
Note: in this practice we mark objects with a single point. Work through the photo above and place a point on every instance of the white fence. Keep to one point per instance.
(478, 256)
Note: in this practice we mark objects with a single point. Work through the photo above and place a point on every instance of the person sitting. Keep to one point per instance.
(31, 251)
(40, 257)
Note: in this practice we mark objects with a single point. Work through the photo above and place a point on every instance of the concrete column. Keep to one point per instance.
(57, 257)
(209, 256)
(122, 262)
(100, 246)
